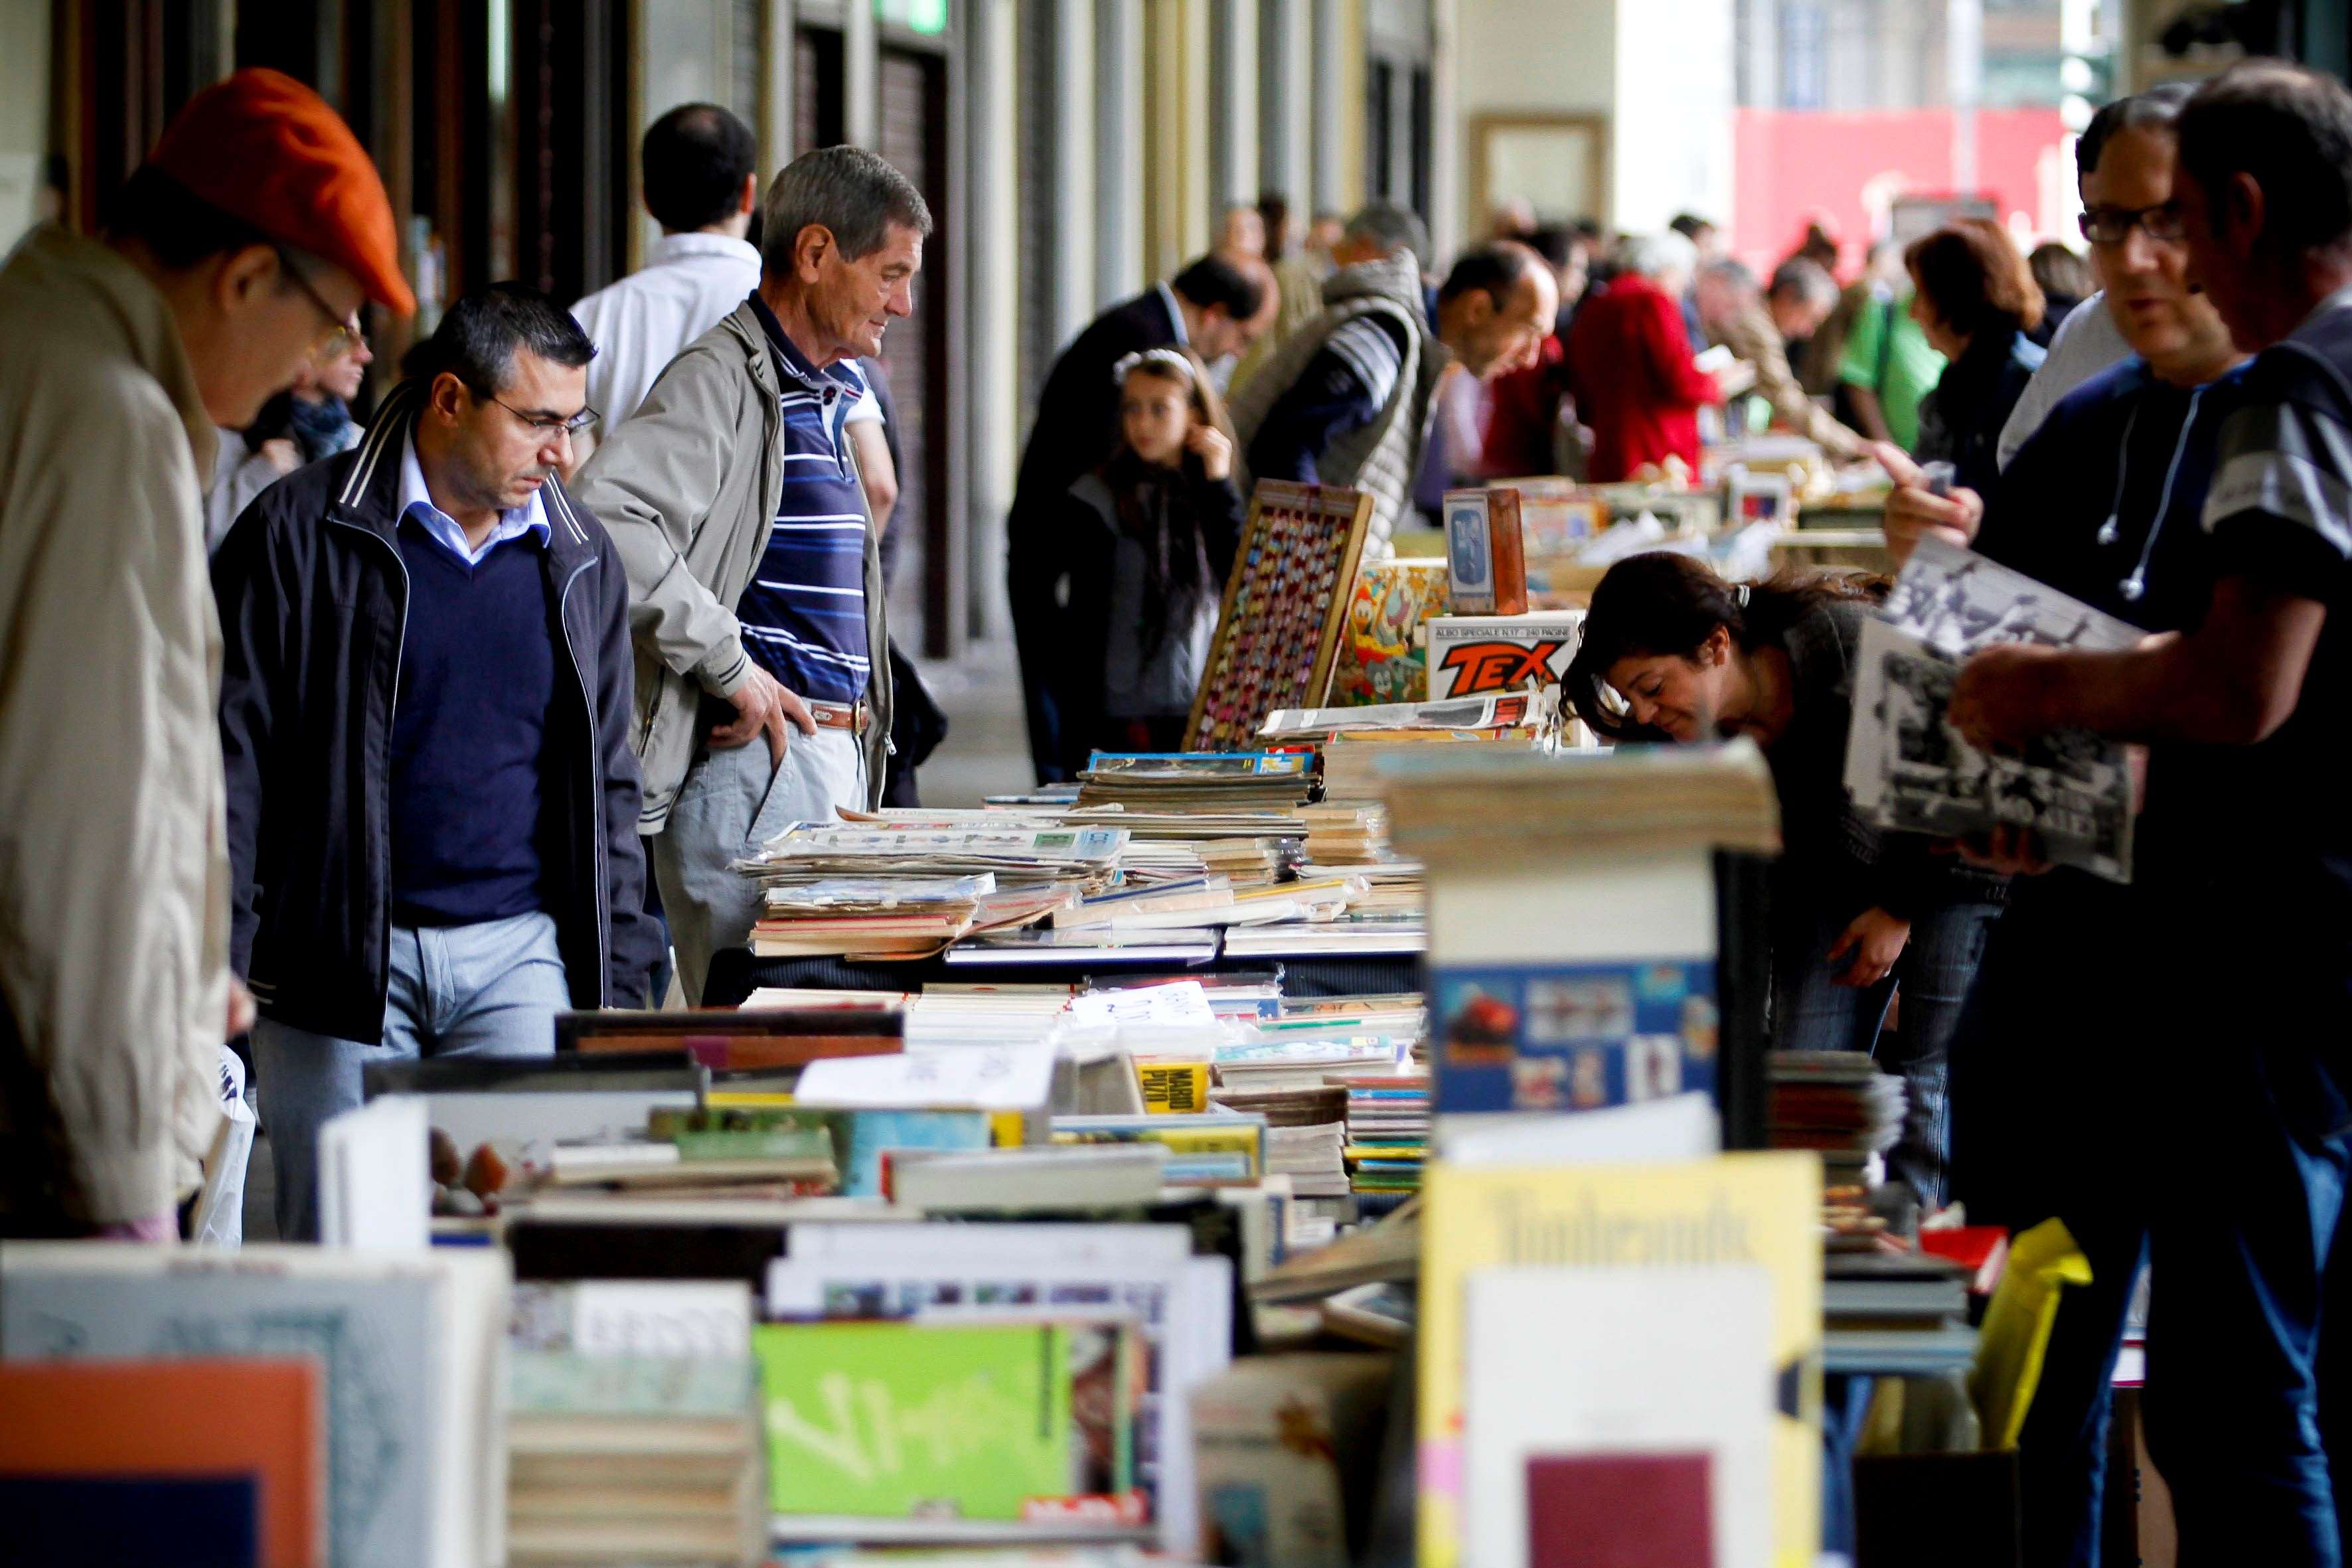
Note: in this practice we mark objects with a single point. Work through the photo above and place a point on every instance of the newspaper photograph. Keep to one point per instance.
(1910, 770)
(1956, 602)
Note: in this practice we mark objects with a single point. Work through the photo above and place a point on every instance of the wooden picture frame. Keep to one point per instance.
(1573, 147)
(1283, 614)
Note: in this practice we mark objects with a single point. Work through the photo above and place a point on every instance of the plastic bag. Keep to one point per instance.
(219, 1219)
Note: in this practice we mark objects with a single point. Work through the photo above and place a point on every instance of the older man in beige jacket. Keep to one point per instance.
(251, 238)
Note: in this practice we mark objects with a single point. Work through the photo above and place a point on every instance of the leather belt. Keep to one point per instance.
(855, 717)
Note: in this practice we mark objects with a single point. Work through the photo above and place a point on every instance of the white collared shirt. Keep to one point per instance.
(1175, 314)
(416, 501)
(688, 285)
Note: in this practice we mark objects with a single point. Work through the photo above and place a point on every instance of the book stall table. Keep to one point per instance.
(736, 973)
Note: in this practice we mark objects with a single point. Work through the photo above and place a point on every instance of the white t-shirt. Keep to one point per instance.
(686, 287)
(2086, 343)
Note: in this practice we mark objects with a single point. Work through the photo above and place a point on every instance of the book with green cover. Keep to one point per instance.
(900, 1420)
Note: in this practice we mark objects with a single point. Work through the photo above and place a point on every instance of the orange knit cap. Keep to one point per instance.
(262, 147)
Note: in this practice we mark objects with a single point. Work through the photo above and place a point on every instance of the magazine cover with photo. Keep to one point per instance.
(1910, 770)
(2072, 789)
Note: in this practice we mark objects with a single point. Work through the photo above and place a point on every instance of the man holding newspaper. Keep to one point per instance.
(2240, 705)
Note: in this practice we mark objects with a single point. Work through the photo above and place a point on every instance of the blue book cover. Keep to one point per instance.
(1572, 1036)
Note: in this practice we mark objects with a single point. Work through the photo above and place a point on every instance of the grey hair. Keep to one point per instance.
(1807, 279)
(1390, 227)
(1655, 255)
(851, 193)
(1733, 272)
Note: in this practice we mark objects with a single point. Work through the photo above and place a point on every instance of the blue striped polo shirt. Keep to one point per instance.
(803, 615)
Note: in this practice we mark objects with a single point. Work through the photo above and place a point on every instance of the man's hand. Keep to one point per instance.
(2004, 697)
(1914, 513)
(282, 454)
(241, 1009)
(158, 1228)
(1876, 940)
(762, 704)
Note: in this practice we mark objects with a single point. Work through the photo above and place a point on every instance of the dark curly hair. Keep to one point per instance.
(1664, 604)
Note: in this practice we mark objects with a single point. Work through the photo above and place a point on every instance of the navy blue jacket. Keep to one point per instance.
(2106, 502)
(313, 601)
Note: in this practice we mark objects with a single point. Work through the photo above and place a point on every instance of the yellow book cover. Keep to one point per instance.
(1762, 1209)
(1202, 1136)
(1174, 1088)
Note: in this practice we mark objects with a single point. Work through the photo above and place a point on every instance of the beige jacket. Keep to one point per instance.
(687, 487)
(113, 867)
(1753, 337)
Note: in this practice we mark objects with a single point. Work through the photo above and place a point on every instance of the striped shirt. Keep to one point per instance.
(803, 615)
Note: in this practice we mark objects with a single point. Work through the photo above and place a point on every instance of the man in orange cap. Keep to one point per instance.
(249, 241)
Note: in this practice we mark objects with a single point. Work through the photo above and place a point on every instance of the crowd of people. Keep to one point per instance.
(390, 742)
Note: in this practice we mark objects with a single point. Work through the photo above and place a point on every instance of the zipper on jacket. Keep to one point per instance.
(391, 709)
(595, 787)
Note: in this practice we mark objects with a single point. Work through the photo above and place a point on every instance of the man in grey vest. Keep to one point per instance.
(1346, 400)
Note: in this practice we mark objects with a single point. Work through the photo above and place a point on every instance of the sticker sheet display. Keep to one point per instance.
(1572, 1036)
(1285, 607)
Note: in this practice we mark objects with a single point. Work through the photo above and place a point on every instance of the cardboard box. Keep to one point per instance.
(1471, 656)
(1557, 516)
(1486, 554)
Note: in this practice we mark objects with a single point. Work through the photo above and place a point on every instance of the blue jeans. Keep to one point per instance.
(1811, 1012)
(733, 801)
(2241, 1242)
(486, 990)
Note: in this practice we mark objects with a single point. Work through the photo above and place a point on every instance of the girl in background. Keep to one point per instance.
(1151, 535)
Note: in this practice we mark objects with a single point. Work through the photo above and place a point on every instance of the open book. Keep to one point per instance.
(1909, 769)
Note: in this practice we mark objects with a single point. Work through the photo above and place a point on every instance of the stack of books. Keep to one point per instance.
(1305, 1134)
(885, 887)
(1388, 1129)
(1837, 1103)
(1204, 1149)
(1220, 783)
(1895, 1312)
(619, 1452)
(867, 917)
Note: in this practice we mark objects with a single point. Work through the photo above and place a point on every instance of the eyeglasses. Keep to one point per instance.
(342, 332)
(2113, 225)
(544, 425)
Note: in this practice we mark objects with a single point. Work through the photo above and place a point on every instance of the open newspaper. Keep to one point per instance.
(1909, 769)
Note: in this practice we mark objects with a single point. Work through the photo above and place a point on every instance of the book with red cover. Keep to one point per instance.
(1619, 1510)
(185, 1419)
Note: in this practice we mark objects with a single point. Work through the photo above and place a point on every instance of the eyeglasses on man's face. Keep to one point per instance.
(546, 426)
(341, 333)
(2113, 225)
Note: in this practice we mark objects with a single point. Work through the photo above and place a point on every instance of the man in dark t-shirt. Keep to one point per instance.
(2243, 710)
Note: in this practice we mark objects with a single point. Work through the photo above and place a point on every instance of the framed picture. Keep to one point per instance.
(1284, 611)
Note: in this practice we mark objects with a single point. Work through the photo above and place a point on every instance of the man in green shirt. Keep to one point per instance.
(1887, 369)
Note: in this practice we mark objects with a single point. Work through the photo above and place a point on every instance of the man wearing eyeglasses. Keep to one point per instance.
(2102, 503)
(256, 227)
(432, 802)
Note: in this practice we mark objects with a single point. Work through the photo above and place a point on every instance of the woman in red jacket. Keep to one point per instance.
(1629, 360)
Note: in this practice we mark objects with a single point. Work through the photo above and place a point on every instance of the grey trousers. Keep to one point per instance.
(730, 804)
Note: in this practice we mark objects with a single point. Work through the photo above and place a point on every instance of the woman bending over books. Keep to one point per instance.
(1673, 652)
(1152, 534)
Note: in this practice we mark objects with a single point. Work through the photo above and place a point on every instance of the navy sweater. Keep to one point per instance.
(469, 733)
